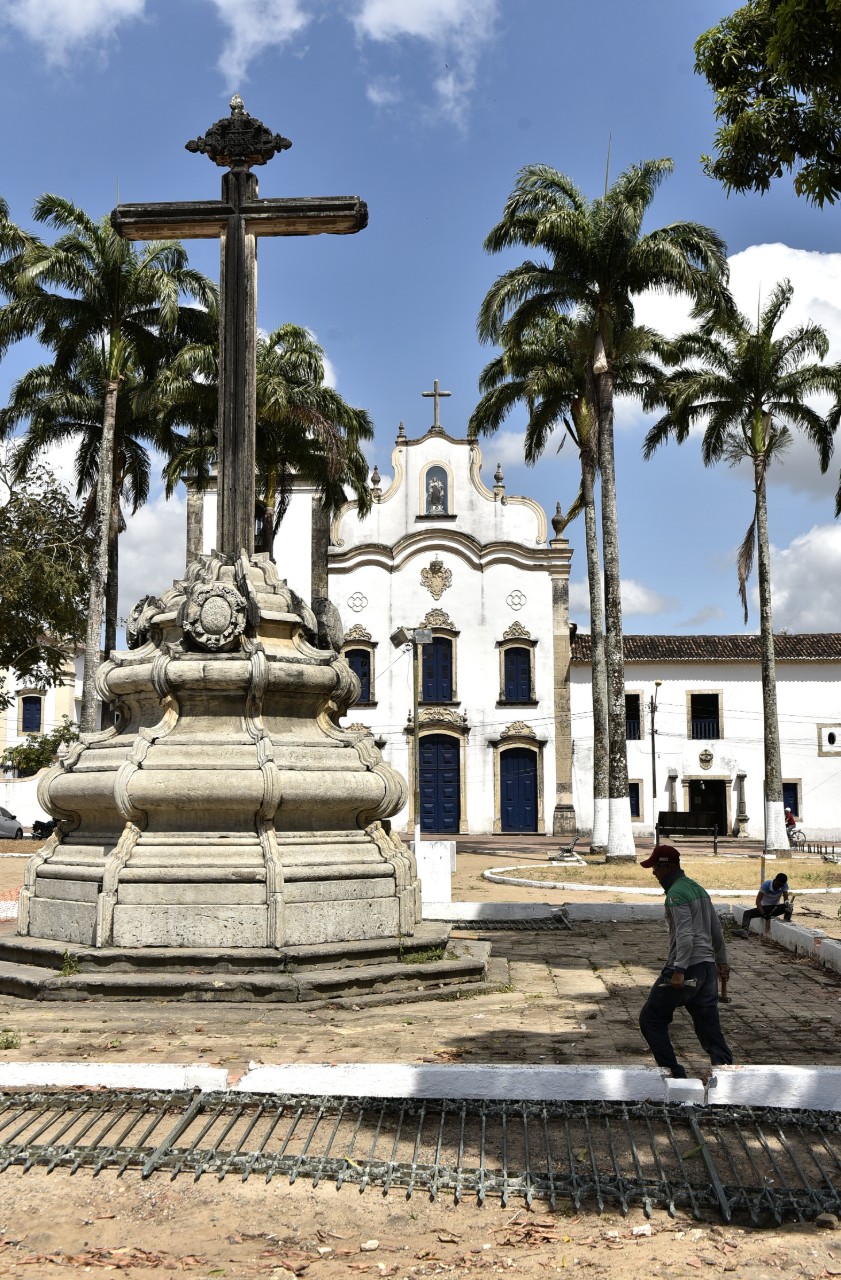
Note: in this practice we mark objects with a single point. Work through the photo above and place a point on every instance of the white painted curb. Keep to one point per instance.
(574, 886)
(111, 1075)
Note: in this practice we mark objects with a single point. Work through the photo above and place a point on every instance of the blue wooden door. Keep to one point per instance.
(518, 789)
(440, 807)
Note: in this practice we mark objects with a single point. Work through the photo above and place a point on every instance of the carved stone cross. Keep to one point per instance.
(237, 220)
(437, 396)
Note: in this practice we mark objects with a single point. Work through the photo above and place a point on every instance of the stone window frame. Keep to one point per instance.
(726, 778)
(359, 638)
(29, 693)
(516, 637)
(422, 512)
(442, 628)
(518, 734)
(796, 782)
(637, 693)
(638, 782)
(717, 693)
(450, 725)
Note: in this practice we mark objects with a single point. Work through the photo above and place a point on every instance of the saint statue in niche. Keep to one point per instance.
(436, 492)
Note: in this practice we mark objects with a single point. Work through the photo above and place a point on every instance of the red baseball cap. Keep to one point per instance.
(662, 855)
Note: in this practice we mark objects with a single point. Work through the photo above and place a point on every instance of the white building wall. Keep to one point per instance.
(809, 695)
(18, 795)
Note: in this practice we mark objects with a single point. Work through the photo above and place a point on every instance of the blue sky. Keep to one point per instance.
(427, 109)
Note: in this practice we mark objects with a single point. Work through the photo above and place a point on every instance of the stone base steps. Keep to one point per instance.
(374, 971)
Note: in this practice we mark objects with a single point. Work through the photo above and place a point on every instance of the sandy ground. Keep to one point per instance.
(572, 997)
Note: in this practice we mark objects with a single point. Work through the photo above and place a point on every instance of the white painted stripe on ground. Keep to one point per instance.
(502, 877)
(111, 1075)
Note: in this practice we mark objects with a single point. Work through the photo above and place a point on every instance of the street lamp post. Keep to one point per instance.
(416, 637)
(653, 710)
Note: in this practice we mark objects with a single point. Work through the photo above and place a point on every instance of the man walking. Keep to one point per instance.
(697, 957)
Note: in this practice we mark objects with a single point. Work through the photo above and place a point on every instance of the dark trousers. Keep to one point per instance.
(765, 913)
(699, 996)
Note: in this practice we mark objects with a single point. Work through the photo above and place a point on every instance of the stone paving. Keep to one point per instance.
(572, 997)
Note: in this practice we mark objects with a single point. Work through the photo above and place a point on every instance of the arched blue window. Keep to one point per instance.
(517, 680)
(436, 491)
(30, 714)
(359, 661)
(437, 675)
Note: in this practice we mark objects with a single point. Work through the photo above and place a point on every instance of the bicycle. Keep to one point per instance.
(796, 837)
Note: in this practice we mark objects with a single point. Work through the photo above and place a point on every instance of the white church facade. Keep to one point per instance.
(505, 713)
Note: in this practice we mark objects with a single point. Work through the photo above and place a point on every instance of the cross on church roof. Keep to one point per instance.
(436, 396)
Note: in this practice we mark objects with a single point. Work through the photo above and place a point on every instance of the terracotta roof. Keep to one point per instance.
(824, 646)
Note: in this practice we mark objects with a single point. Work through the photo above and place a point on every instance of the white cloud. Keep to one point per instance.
(506, 448)
(384, 92)
(637, 600)
(455, 32)
(254, 26)
(60, 26)
(152, 550)
(754, 273)
(805, 578)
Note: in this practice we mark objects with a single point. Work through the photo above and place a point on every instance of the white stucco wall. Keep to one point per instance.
(809, 696)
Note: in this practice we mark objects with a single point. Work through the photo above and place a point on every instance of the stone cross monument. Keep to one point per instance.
(239, 142)
(436, 397)
(226, 809)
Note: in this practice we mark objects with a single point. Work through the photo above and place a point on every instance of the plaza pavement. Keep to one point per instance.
(569, 997)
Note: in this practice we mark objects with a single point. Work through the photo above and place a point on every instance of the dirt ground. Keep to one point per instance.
(572, 996)
(56, 1225)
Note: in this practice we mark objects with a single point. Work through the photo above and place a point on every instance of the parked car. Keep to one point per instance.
(9, 825)
(42, 830)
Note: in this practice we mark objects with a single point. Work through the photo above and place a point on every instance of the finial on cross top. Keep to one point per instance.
(238, 141)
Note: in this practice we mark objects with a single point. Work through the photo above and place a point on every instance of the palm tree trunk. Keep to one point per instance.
(599, 680)
(620, 843)
(775, 827)
(99, 567)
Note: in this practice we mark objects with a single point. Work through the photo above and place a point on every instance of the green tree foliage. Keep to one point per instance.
(775, 68)
(596, 258)
(304, 427)
(39, 750)
(92, 289)
(44, 553)
(749, 390)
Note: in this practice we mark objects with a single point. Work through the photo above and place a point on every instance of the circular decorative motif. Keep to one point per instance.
(357, 602)
(214, 615)
(515, 599)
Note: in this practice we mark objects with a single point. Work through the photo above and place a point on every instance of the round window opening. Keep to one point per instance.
(830, 737)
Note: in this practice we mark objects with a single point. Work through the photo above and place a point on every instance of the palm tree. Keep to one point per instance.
(304, 428)
(92, 287)
(597, 259)
(68, 406)
(750, 389)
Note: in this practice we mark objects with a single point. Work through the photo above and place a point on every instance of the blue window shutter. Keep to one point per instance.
(360, 664)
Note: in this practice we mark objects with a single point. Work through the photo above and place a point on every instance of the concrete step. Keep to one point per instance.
(427, 966)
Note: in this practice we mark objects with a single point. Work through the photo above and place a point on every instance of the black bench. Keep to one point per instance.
(670, 822)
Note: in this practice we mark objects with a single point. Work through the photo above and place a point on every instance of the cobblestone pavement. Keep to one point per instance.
(574, 997)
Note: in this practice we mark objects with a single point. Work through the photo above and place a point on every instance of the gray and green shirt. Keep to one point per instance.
(695, 933)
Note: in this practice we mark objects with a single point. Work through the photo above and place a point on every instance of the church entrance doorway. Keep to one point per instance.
(518, 789)
(710, 796)
(440, 783)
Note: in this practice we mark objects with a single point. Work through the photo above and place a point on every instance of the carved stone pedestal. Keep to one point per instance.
(225, 808)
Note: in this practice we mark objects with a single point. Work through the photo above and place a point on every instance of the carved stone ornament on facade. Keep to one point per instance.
(357, 602)
(240, 140)
(214, 616)
(519, 729)
(438, 618)
(357, 632)
(515, 599)
(436, 578)
(443, 715)
(516, 632)
(705, 759)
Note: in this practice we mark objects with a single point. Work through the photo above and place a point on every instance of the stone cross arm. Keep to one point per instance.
(206, 219)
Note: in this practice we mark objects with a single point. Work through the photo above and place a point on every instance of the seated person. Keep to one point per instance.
(768, 902)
